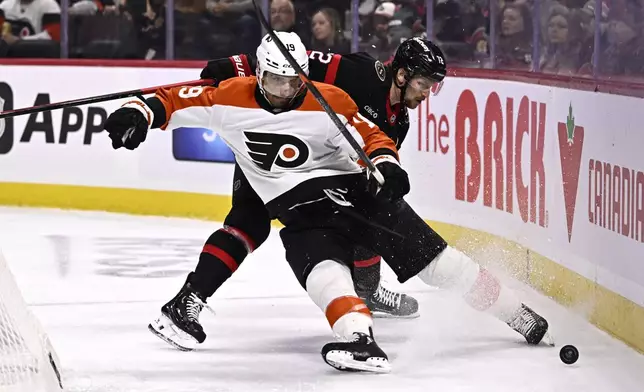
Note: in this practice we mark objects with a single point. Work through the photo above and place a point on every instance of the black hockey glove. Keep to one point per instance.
(217, 70)
(128, 126)
(226, 68)
(396, 180)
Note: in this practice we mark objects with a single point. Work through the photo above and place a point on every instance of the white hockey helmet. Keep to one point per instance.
(274, 73)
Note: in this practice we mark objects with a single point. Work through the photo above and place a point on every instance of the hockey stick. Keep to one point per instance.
(99, 98)
(318, 96)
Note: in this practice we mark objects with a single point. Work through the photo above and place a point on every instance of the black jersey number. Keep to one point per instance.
(324, 58)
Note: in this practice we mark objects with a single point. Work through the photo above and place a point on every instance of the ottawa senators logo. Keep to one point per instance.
(268, 149)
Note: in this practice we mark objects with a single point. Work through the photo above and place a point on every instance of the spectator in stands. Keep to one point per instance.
(327, 32)
(515, 39)
(450, 30)
(84, 7)
(30, 28)
(410, 11)
(282, 15)
(475, 15)
(366, 7)
(283, 18)
(245, 29)
(407, 21)
(625, 52)
(379, 44)
(192, 33)
(448, 26)
(562, 52)
(104, 29)
(479, 42)
(148, 19)
(91, 7)
(196, 35)
(366, 13)
(587, 17)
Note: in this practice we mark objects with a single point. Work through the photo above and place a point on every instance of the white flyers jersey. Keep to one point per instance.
(278, 152)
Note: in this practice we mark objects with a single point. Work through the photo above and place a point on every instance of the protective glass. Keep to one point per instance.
(282, 86)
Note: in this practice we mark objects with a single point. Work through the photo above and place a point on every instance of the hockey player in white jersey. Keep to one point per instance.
(310, 180)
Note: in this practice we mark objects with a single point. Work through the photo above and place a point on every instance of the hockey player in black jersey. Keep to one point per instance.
(326, 203)
(383, 94)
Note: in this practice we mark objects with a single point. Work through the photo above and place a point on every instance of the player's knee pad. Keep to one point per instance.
(330, 286)
(251, 226)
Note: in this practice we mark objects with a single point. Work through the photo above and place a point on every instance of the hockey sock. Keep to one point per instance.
(455, 271)
(222, 254)
(330, 287)
(366, 274)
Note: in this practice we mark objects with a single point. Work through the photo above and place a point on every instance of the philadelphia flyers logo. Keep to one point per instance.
(268, 149)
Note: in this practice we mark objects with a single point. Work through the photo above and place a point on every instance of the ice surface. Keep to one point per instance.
(95, 280)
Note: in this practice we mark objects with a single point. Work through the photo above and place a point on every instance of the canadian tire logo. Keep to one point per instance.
(571, 143)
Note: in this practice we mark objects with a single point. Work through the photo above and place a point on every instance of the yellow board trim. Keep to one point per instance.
(123, 200)
(607, 310)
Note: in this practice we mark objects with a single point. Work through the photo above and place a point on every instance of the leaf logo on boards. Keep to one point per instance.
(571, 143)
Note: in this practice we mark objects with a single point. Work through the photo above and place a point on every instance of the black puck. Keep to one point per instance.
(569, 354)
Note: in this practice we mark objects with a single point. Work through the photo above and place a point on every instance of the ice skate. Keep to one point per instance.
(360, 354)
(385, 303)
(178, 324)
(532, 326)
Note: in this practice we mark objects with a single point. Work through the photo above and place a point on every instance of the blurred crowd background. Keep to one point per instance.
(590, 38)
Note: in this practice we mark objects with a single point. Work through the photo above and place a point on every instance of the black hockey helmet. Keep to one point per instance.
(420, 57)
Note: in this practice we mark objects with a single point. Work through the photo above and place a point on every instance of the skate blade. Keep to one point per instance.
(548, 339)
(385, 315)
(343, 360)
(165, 329)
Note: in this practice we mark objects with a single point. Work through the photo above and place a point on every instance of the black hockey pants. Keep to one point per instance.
(327, 231)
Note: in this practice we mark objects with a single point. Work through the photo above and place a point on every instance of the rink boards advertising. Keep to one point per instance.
(546, 179)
